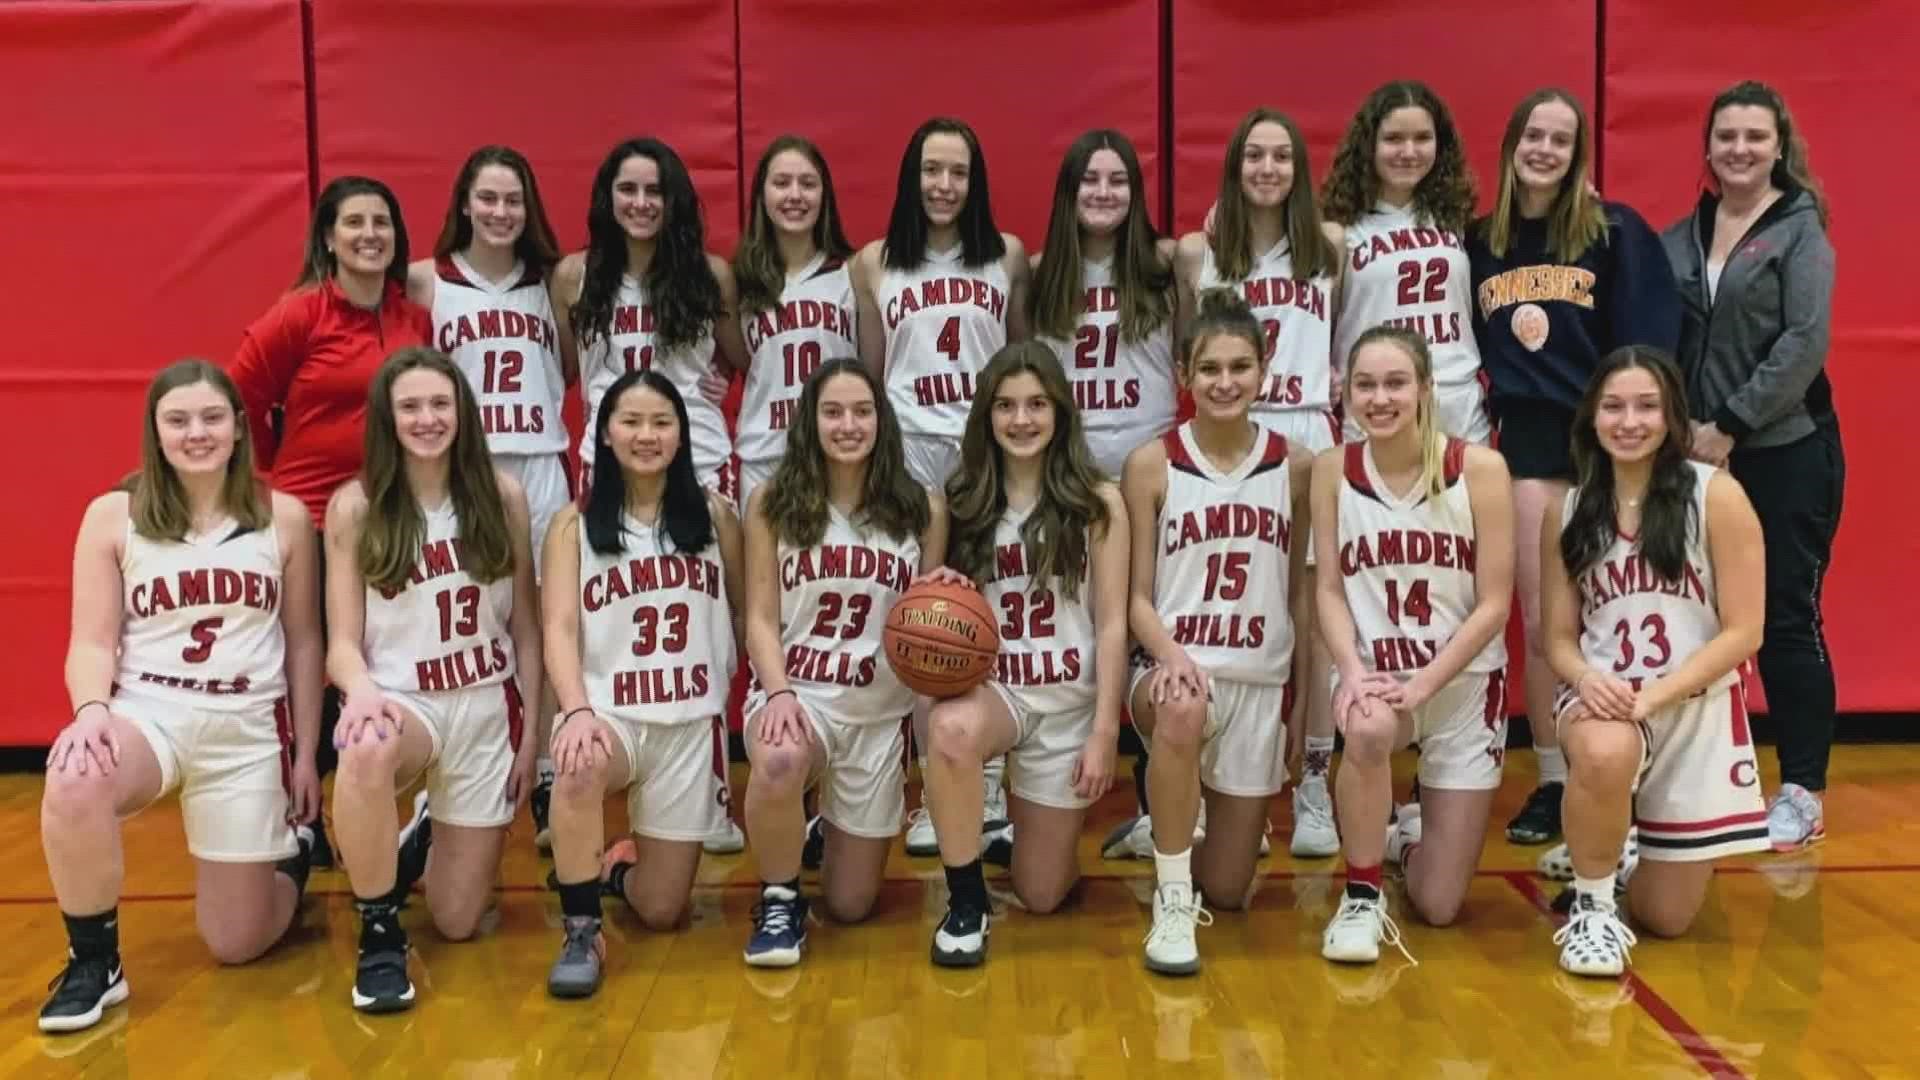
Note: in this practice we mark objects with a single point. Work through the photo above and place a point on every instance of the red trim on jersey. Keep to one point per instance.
(1495, 714)
(1453, 460)
(283, 728)
(1356, 470)
(1177, 456)
(1334, 416)
(1750, 818)
(516, 714)
(1273, 455)
(448, 271)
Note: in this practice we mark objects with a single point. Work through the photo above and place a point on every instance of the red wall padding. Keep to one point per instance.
(1316, 62)
(403, 92)
(139, 230)
(1664, 66)
(858, 76)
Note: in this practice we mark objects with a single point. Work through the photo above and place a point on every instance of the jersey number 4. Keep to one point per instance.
(949, 339)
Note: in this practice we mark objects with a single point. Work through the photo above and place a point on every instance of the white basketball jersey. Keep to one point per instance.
(503, 338)
(656, 629)
(442, 630)
(1119, 384)
(1295, 316)
(834, 599)
(200, 624)
(630, 346)
(1637, 627)
(1405, 272)
(1408, 565)
(943, 322)
(1220, 578)
(813, 323)
(1046, 634)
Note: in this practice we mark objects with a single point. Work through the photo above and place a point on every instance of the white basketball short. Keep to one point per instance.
(861, 774)
(476, 732)
(752, 475)
(931, 459)
(1459, 408)
(1462, 732)
(233, 769)
(676, 777)
(1244, 747)
(1697, 797)
(548, 487)
(1046, 748)
(1110, 448)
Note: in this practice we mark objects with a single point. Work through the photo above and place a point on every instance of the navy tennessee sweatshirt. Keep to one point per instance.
(1543, 325)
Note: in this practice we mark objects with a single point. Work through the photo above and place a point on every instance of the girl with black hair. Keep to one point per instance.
(642, 627)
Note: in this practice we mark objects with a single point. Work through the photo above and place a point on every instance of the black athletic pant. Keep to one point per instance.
(1796, 490)
(325, 757)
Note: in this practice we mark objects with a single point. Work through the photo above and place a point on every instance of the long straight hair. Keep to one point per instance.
(319, 263)
(796, 500)
(1792, 169)
(680, 284)
(1667, 515)
(1232, 240)
(1444, 197)
(684, 515)
(157, 502)
(1143, 281)
(758, 271)
(1055, 532)
(980, 239)
(1576, 220)
(395, 525)
(537, 248)
(1433, 441)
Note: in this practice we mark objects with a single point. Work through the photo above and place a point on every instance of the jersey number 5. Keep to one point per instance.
(203, 635)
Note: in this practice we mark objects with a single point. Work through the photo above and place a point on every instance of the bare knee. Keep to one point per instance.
(1045, 896)
(458, 922)
(1602, 753)
(660, 913)
(585, 786)
(779, 771)
(1179, 725)
(1437, 907)
(953, 734)
(1224, 891)
(369, 763)
(1370, 737)
(1664, 920)
(70, 795)
(850, 905)
(238, 940)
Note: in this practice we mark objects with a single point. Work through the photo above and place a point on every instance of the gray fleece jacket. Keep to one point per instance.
(1755, 356)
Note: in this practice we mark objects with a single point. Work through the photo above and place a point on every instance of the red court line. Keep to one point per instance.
(1656, 1007)
(1271, 875)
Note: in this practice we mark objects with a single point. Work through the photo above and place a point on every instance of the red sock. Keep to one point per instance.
(1364, 875)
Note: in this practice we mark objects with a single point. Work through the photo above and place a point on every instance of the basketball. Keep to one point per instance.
(941, 639)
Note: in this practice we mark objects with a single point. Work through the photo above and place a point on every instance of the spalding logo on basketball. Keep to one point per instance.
(941, 640)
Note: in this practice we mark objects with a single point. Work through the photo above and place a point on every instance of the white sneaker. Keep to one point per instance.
(1594, 941)
(1358, 928)
(921, 840)
(1134, 839)
(993, 802)
(1403, 832)
(1556, 863)
(1171, 949)
(728, 841)
(1265, 847)
(1314, 834)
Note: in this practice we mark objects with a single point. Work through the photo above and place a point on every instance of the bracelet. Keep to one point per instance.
(570, 714)
(777, 693)
(84, 704)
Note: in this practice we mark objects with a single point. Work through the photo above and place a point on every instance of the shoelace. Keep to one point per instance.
(1192, 909)
(917, 815)
(1317, 811)
(1353, 909)
(1588, 922)
(580, 939)
(774, 916)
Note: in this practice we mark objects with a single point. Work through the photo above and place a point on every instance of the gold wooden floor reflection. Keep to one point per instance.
(1800, 967)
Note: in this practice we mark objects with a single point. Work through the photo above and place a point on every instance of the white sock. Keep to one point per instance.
(1553, 764)
(1600, 889)
(543, 769)
(1175, 869)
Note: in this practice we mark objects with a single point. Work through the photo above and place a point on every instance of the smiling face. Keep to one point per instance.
(198, 429)
(1547, 145)
(1630, 417)
(497, 207)
(1403, 151)
(945, 167)
(792, 193)
(362, 236)
(1224, 376)
(425, 413)
(1266, 165)
(638, 203)
(848, 420)
(1023, 416)
(1383, 390)
(1742, 146)
(1106, 193)
(644, 431)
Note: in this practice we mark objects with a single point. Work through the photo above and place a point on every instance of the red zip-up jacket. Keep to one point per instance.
(313, 354)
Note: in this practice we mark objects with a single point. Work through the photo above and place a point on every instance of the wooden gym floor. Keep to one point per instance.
(1799, 967)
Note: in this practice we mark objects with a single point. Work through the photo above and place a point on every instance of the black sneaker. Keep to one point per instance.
(539, 805)
(1538, 822)
(814, 851)
(381, 984)
(416, 839)
(82, 993)
(961, 938)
